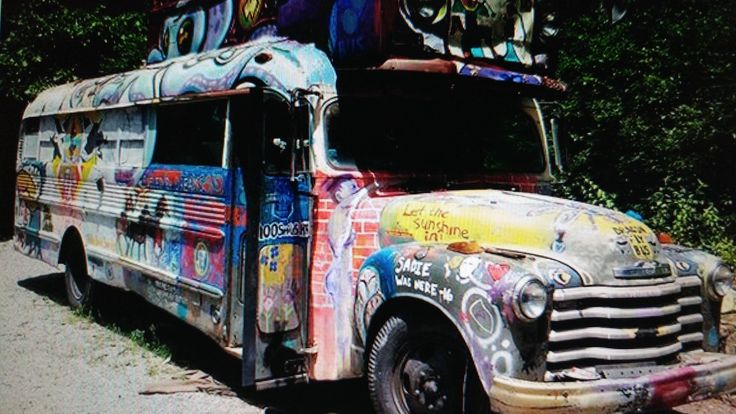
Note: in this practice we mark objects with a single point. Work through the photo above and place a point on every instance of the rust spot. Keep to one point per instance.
(262, 58)
(504, 253)
(672, 389)
(413, 65)
(465, 247)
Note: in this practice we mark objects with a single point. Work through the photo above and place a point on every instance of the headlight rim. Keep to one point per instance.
(712, 290)
(519, 287)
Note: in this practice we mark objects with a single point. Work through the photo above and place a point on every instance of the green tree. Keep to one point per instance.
(50, 42)
(651, 115)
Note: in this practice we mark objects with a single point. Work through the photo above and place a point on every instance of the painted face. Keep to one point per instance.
(467, 267)
(345, 190)
(183, 34)
(201, 259)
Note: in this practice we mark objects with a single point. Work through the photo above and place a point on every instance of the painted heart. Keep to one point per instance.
(497, 270)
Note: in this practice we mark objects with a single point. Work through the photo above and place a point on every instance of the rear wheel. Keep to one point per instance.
(79, 286)
(417, 367)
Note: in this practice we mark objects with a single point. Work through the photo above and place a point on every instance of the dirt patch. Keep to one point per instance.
(728, 333)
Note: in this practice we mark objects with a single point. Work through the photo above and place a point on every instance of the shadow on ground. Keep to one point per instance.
(190, 349)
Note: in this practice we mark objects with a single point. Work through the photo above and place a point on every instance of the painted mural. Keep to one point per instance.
(353, 30)
(174, 221)
(356, 224)
(92, 172)
(492, 29)
(523, 222)
(180, 28)
(465, 252)
(161, 230)
(280, 279)
(282, 64)
(88, 175)
(475, 287)
(283, 238)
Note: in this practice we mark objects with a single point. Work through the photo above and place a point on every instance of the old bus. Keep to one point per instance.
(385, 219)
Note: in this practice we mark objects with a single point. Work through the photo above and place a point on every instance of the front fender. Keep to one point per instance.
(473, 290)
(691, 262)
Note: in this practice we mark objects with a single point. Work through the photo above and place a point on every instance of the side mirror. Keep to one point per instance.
(559, 145)
(617, 8)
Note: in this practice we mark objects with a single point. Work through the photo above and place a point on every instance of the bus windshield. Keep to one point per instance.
(399, 134)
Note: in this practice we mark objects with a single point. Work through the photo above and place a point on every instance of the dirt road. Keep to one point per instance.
(53, 359)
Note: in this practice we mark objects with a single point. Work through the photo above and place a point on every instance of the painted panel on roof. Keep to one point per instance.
(351, 30)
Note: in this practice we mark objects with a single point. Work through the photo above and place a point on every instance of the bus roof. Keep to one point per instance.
(274, 62)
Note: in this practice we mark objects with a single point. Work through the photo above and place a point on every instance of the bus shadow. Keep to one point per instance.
(127, 313)
(50, 286)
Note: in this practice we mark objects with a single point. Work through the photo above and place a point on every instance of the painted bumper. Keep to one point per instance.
(700, 375)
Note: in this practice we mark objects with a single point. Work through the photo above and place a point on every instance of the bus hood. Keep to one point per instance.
(604, 246)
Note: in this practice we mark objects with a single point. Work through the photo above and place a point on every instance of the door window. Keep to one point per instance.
(277, 135)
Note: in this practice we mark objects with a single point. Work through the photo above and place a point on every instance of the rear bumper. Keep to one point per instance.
(700, 375)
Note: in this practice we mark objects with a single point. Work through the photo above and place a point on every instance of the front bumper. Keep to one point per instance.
(699, 375)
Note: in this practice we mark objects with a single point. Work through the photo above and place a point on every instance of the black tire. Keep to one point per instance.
(421, 368)
(79, 286)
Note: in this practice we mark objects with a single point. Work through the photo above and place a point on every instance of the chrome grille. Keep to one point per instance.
(602, 325)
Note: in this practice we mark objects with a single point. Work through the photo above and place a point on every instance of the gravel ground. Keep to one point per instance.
(55, 360)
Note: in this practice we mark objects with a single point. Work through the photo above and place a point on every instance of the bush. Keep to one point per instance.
(650, 115)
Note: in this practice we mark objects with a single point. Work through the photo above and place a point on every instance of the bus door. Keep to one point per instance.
(275, 258)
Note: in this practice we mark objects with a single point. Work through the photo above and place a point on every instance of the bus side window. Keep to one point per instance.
(131, 153)
(30, 138)
(124, 135)
(191, 133)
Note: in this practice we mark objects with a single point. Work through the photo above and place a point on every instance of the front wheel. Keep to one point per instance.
(419, 368)
(79, 285)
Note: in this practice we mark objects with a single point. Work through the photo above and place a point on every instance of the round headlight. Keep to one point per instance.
(720, 282)
(530, 299)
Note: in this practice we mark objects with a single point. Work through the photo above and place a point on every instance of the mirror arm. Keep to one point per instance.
(556, 143)
(299, 143)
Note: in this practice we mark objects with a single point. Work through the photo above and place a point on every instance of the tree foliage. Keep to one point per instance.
(49, 42)
(651, 115)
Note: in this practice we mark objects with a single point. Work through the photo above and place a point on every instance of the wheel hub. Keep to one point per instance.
(423, 387)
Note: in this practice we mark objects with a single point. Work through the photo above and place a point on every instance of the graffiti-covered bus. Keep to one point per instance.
(324, 219)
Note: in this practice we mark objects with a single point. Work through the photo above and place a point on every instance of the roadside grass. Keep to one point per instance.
(145, 337)
(148, 328)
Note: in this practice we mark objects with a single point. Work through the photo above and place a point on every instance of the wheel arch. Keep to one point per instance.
(72, 242)
(416, 306)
